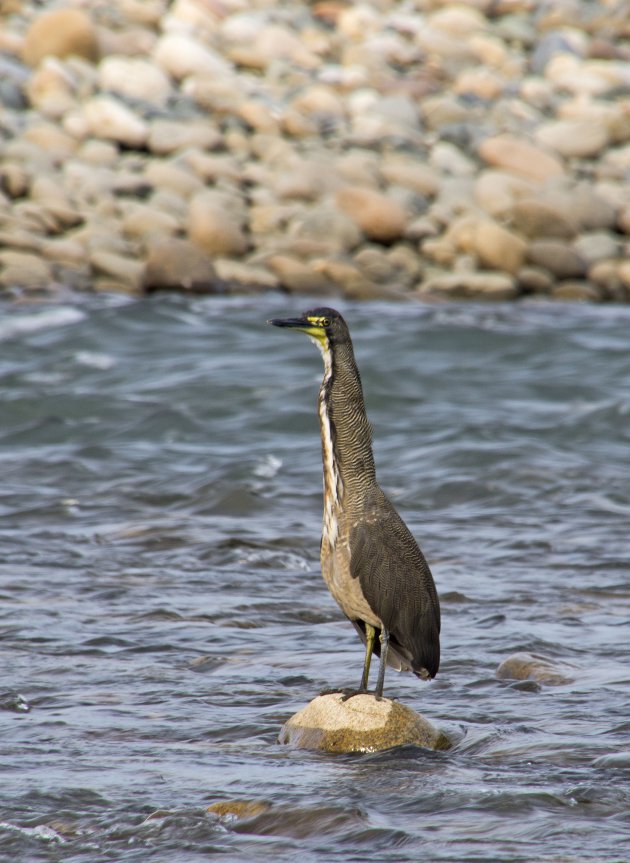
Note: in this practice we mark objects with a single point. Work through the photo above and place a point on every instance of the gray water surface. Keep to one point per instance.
(162, 612)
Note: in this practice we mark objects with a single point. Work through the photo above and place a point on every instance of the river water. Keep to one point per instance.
(162, 611)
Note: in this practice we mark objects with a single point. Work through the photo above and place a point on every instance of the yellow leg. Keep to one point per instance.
(370, 635)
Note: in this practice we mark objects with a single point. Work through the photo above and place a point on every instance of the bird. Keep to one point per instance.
(370, 561)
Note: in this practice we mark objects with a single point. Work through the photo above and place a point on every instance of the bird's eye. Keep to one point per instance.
(325, 322)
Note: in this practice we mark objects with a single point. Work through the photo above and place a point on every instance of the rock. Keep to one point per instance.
(135, 78)
(236, 808)
(24, 270)
(326, 224)
(247, 277)
(179, 265)
(121, 272)
(498, 192)
(360, 724)
(520, 157)
(61, 33)
(470, 285)
(534, 280)
(496, 247)
(170, 176)
(576, 290)
(301, 278)
(379, 217)
(578, 139)
(596, 246)
(181, 55)
(402, 170)
(111, 120)
(557, 257)
(141, 221)
(213, 229)
(169, 136)
(531, 666)
(536, 218)
(51, 89)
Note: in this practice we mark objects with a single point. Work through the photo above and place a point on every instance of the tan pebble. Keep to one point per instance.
(326, 224)
(471, 285)
(575, 290)
(534, 280)
(596, 246)
(297, 124)
(536, 218)
(167, 175)
(140, 221)
(24, 270)
(624, 273)
(623, 219)
(177, 264)
(258, 116)
(483, 83)
(410, 173)
(98, 153)
(520, 157)
(60, 33)
(497, 192)
(379, 217)
(269, 218)
(460, 21)
(246, 276)
(110, 119)
(52, 139)
(51, 89)
(64, 250)
(123, 271)
(444, 110)
(135, 78)
(181, 55)
(15, 179)
(439, 250)
(498, 248)
(213, 229)
(557, 257)
(212, 167)
(301, 278)
(573, 138)
(169, 136)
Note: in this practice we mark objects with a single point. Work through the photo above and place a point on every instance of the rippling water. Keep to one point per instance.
(162, 611)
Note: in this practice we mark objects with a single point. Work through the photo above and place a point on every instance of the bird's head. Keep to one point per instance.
(325, 327)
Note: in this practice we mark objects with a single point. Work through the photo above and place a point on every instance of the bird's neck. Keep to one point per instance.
(346, 435)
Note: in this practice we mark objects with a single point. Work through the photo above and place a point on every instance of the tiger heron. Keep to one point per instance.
(371, 563)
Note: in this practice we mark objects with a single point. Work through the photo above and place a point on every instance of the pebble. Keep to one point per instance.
(371, 150)
(177, 264)
(60, 33)
(531, 666)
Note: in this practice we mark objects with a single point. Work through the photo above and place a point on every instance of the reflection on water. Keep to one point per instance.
(163, 612)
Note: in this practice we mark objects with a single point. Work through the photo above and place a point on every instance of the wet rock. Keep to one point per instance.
(531, 666)
(520, 157)
(61, 33)
(238, 808)
(379, 217)
(117, 272)
(577, 290)
(177, 264)
(360, 724)
(535, 280)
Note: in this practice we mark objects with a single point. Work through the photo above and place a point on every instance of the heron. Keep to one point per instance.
(370, 561)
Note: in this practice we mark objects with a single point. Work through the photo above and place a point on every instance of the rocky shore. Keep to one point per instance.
(371, 150)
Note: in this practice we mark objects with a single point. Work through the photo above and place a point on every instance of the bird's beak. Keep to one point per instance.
(295, 323)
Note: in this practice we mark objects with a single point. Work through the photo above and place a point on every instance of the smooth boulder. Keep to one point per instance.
(359, 724)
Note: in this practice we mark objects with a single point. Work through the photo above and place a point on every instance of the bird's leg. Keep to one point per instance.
(378, 692)
(370, 635)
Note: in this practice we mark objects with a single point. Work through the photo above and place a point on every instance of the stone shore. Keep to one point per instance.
(396, 150)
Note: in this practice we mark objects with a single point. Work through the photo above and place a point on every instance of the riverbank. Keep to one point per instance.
(382, 150)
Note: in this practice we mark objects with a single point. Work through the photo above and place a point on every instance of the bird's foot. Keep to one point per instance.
(346, 692)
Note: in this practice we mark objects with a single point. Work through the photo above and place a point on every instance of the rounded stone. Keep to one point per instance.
(181, 55)
(23, 270)
(135, 78)
(498, 248)
(596, 246)
(557, 257)
(60, 33)
(213, 229)
(379, 217)
(177, 264)
(531, 666)
(536, 218)
(359, 724)
(520, 157)
(109, 119)
(573, 138)
(471, 285)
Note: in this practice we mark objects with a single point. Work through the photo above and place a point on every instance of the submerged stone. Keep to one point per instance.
(531, 666)
(359, 724)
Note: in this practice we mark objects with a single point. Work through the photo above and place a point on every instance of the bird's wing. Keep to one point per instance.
(397, 583)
